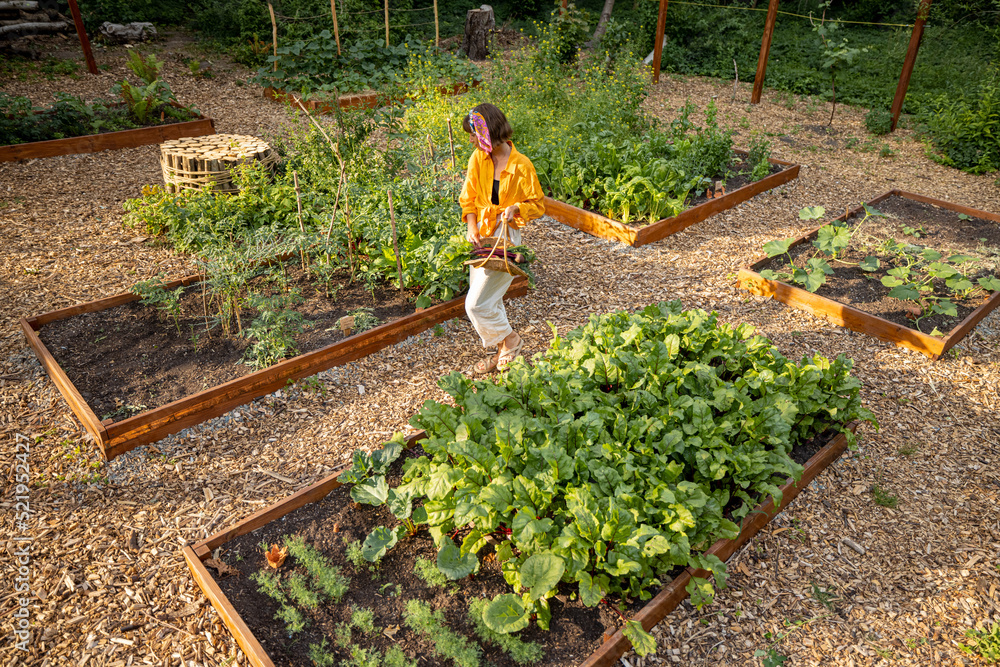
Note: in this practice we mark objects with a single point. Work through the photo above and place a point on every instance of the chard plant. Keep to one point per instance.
(610, 461)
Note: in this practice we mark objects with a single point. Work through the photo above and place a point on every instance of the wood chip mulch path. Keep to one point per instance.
(835, 580)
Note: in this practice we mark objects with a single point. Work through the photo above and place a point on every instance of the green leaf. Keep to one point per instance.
(930, 254)
(541, 572)
(961, 259)
(904, 292)
(451, 561)
(592, 589)
(869, 263)
(812, 213)
(382, 458)
(372, 491)
(959, 283)
(814, 280)
(400, 503)
(991, 283)
(701, 592)
(379, 541)
(506, 614)
(945, 307)
(642, 642)
(780, 247)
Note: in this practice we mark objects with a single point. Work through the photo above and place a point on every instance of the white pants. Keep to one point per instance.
(484, 302)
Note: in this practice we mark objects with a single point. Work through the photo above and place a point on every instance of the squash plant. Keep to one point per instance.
(609, 462)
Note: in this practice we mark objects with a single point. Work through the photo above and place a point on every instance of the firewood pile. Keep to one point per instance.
(21, 20)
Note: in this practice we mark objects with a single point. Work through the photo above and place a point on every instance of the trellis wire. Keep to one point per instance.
(801, 16)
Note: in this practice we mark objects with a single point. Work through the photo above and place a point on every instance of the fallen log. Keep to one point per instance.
(18, 4)
(32, 28)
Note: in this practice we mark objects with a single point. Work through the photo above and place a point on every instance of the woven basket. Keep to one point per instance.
(495, 263)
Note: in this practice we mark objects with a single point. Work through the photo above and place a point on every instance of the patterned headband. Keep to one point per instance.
(481, 130)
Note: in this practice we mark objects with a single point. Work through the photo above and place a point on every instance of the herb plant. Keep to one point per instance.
(153, 293)
(448, 644)
(610, 461)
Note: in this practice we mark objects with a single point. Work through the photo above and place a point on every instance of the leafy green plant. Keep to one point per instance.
(758, 157)
(428, 571)
(879, 121)
(985, 644)
(327, 578)
(269, 584)
(448, 644)
(320, 656)
(564, 497)
(363, 619)
(521, 652)
(364, 319)
(153, 293)
(963, 131)
(836, 53)
(883, 497)
(354, 555)
(274, 328)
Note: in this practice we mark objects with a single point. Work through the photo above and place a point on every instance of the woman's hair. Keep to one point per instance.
(499, 126)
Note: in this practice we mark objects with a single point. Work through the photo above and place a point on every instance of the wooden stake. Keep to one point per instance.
(451, 144)
(661, 27)
(81, 32)
(302, 227)
(765, 51)
(336, 201)
(911, 59)
(387, 24)
(395, 242)
(437, 27)
(336, 30)
(430, 145)
(274, 34)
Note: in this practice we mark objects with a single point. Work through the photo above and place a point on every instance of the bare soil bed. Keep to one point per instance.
(908, 222)
(132, 358)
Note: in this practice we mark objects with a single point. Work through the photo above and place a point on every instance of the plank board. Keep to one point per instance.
(604, 227)
(356, 101)
(605, 656)
(94, 143)
(855, 319)
(152, 425)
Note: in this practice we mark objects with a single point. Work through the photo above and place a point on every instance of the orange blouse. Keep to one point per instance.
(518, 185)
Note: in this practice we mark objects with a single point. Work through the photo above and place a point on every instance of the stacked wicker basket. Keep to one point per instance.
(205, 162)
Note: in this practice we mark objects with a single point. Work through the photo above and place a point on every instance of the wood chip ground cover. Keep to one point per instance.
(112, 588)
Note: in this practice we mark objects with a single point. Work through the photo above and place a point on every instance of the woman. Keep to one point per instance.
(501, 186)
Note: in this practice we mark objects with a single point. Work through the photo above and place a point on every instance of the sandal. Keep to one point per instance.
(505, 357)
(486, 366)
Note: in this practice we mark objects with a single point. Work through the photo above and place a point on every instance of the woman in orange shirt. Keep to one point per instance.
(500, 186)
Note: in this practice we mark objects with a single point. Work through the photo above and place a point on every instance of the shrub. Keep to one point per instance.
(879, 121)
(965, 132)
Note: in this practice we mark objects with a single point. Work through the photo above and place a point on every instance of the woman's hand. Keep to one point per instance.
(510, 213)
(472, 234)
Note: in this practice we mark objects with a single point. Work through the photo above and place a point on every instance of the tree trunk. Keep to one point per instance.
(34, 28)
(602, 24)
(19, 4)
(479, 24)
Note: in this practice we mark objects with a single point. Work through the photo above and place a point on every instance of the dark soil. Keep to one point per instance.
(133, 358)
(333, 522)
(925, 225)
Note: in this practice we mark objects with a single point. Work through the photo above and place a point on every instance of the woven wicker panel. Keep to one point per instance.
(205, 162)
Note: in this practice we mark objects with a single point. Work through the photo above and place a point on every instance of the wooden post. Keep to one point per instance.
(437, 26)
(661, 27)
(765, 52)
(911, 57)
(336, 29)
(274, 34)
(395, 242)
(302, 227)
(387, 24)
(82, 34)
(451, 144)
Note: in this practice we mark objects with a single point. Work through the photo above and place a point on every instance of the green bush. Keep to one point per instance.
(964, 132)
(879, 121)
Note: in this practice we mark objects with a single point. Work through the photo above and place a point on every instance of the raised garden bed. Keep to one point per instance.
(370, 100)
(323, 499)
(861, 302)
(94, 143)
(637, 235)
(149, 425)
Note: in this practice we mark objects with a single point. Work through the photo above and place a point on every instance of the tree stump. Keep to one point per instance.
(479, 24)
(204, 163)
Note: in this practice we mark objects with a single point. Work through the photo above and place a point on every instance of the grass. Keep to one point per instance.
(883, 497)
(909, 449)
